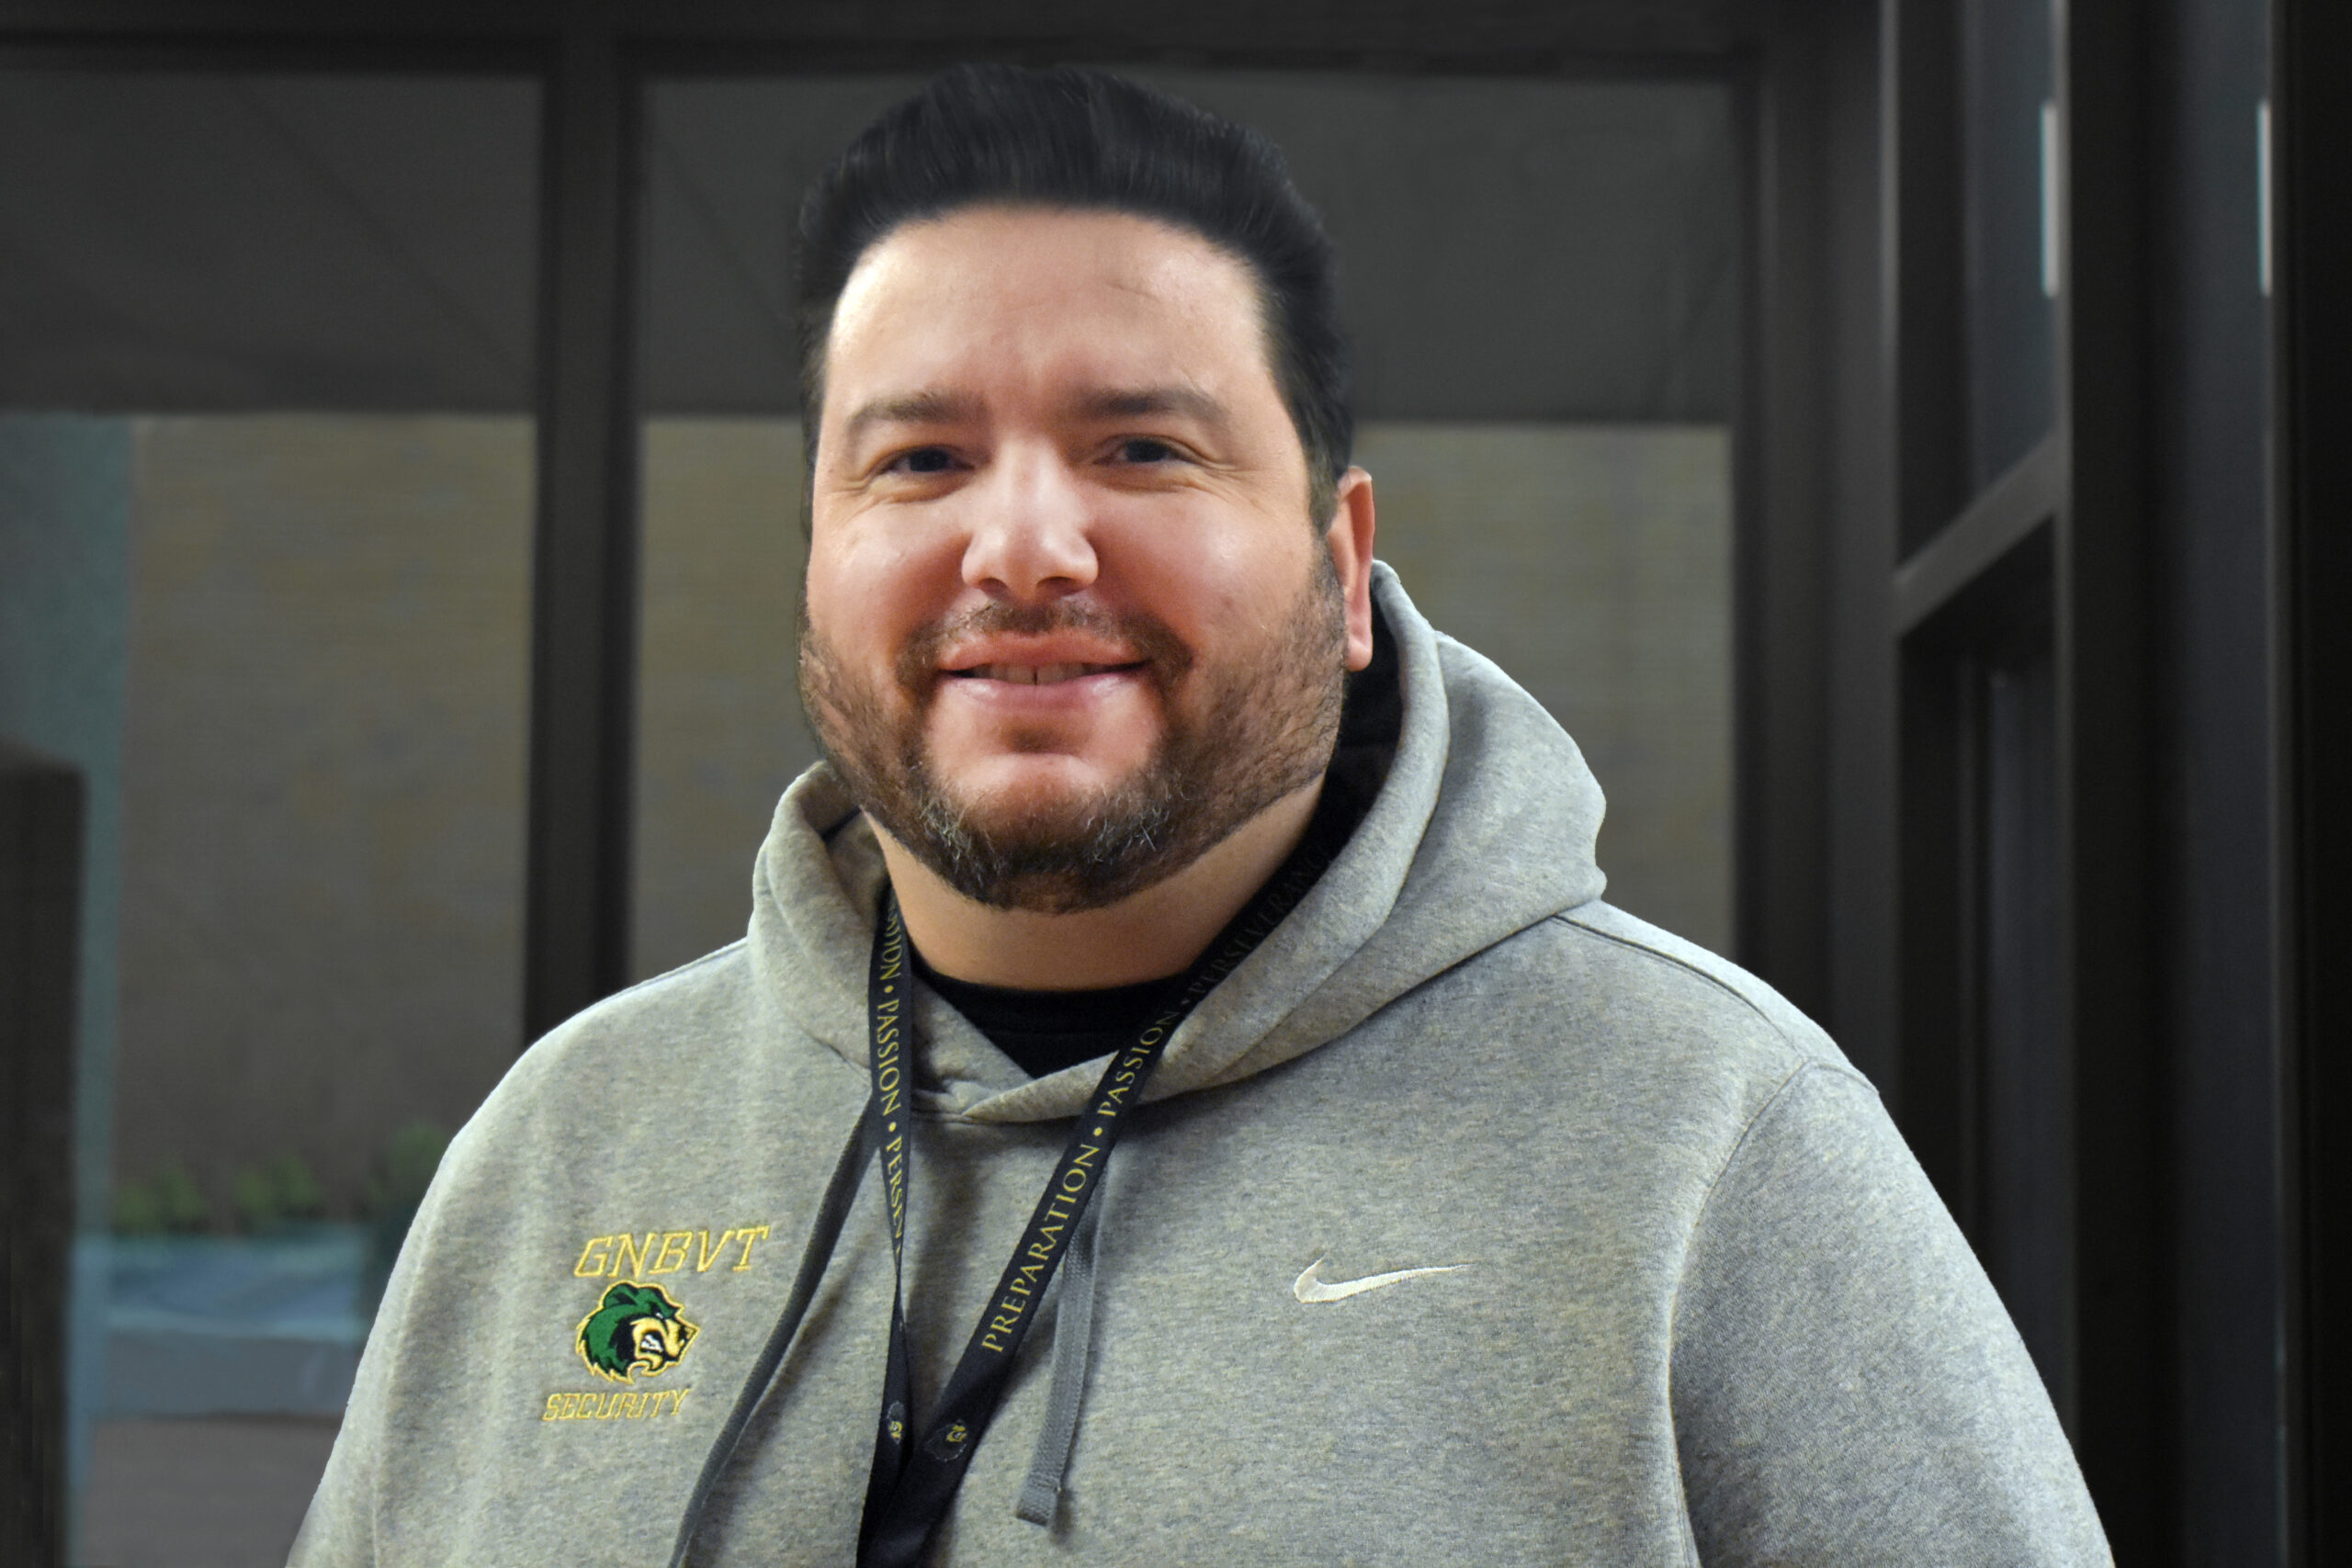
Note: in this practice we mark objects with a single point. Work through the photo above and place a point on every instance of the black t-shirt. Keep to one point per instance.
(1047, 1031)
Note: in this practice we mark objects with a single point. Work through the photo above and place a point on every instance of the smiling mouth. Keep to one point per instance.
(1037, 675)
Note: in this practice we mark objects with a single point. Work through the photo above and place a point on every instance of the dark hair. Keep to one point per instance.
(1076, 137)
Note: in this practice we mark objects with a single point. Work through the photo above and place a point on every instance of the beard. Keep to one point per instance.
(1260, 729)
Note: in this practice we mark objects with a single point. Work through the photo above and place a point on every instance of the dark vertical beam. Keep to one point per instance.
(1862, 741)
(1938, 924)
(583, 644)
(1925, 315)
(1779, 490)
(2107, 841)
(1931, 870)
(2209, 385)
(41, 889)
(2311, 512)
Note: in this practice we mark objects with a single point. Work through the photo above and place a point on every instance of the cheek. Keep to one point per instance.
(867, 594)
(1211, 583)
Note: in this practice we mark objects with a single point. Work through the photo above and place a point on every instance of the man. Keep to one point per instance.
(1189, 955)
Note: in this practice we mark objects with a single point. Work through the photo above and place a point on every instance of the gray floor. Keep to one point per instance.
(201, 1492)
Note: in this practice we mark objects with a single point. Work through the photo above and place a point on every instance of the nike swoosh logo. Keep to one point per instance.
(1311, 1287)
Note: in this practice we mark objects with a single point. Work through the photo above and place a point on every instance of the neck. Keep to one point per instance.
(1146, 936)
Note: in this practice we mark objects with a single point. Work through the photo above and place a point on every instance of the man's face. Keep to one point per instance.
(1068, 625)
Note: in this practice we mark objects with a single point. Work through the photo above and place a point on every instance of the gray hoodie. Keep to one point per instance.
(1697, 1301)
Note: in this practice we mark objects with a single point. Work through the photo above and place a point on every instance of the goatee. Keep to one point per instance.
(1256, 730)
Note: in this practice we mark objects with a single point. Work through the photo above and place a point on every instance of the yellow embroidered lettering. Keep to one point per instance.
(553, 1399)
(673, 1252)
(629, 1256)
(756, 1233)
(586, 1269)
(705, 1255)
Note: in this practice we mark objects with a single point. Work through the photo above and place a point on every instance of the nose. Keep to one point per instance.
(1031, 529)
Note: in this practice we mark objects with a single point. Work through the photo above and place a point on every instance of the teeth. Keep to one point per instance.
(1036, 675)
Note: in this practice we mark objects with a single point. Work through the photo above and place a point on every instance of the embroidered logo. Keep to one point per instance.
(1311, 1287)
(635, 1328)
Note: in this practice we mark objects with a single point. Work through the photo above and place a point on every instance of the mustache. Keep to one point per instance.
(1148, 637)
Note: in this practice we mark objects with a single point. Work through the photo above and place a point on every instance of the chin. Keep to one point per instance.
(1036, 805)
(1019, 784)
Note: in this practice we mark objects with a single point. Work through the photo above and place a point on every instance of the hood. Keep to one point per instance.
(1484, 825)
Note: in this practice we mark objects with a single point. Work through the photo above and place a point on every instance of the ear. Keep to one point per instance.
(1349, 542)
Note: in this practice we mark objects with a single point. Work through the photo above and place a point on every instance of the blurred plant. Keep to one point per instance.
(273, 1196)
(410, 1159)
(136, 1212)
(168, 1204)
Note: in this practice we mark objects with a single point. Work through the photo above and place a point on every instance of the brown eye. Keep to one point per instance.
(1144, 449)
(927, 461)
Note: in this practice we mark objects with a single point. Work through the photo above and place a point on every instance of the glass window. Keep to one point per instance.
(2010, 153)
(1593, 562)
(266, 366)
(719, 731)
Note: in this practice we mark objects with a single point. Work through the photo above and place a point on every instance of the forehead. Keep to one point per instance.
(1033, 291)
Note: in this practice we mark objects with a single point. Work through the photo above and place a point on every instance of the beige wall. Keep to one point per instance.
(719, 732)
(323, 785)
(1593, 562)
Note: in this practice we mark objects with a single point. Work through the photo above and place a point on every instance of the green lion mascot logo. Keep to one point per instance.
(636, 1329)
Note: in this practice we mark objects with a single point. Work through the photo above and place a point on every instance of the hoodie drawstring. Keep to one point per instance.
(1073, 1346)
(824, 1236)
(1073, 1351)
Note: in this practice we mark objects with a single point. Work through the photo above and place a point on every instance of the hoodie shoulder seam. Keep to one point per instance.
(1805, 1058)
(713, 956)
(1731, 1158)
(1706, 1198)
(690, 966)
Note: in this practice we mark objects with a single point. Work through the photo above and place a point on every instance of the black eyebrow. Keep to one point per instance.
(914, 407)
(1142, 402)
(946, 407)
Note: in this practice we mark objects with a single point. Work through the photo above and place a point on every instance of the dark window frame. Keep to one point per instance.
(2059, 528)
(2311, 550)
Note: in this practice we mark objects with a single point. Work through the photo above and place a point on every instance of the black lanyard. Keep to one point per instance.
(911, 1484)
